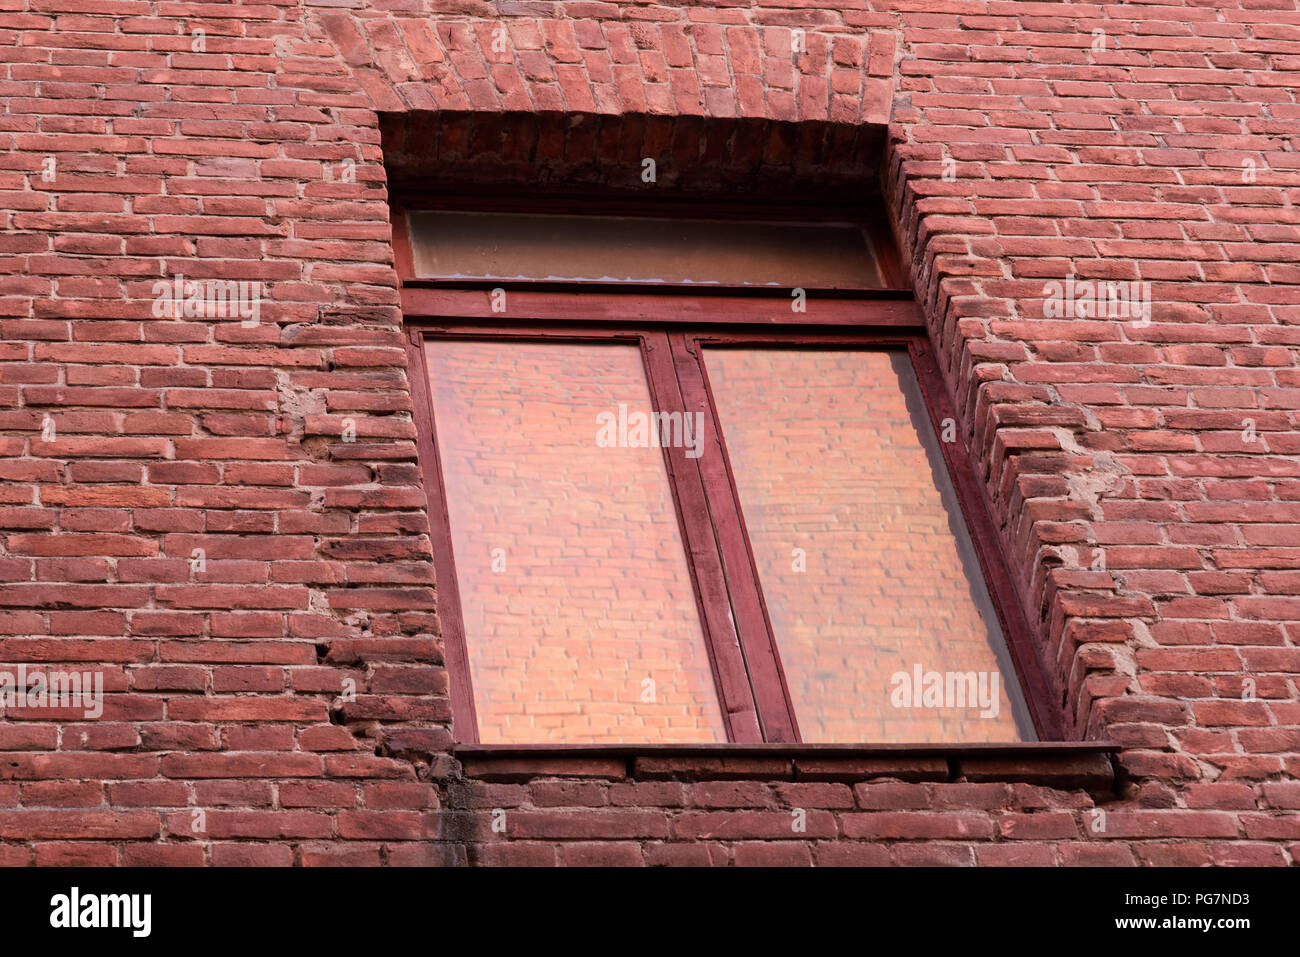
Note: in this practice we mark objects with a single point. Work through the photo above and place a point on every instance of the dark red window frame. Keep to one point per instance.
(669, 325)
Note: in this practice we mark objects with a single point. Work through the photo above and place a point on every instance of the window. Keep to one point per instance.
(674, 503)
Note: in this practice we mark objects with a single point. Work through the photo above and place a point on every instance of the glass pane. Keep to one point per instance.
(883, 621)
(505, 246)
(580, 618)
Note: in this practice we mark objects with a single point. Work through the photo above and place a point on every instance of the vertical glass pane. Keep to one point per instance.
(580, 618)
(884, 624)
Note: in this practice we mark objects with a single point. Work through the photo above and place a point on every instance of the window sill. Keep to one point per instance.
(1061, 764)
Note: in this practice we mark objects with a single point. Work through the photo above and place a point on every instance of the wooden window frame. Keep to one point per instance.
(669, 324)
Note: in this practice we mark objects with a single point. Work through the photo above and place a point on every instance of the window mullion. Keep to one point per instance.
(762, 661)
(734, 692)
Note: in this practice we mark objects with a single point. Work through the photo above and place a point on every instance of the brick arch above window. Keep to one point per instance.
(825, 71)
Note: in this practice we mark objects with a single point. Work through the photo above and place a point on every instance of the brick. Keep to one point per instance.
(914, 825)
(1093, 772)
(752, 854)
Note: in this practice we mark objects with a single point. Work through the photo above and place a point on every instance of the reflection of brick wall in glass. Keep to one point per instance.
(583, 627)
(827, 458)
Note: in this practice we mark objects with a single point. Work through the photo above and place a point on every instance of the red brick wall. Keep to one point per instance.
(1096, 439)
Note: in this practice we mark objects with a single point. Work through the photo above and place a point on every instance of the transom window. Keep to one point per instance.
(454, 244)
(665, 514)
